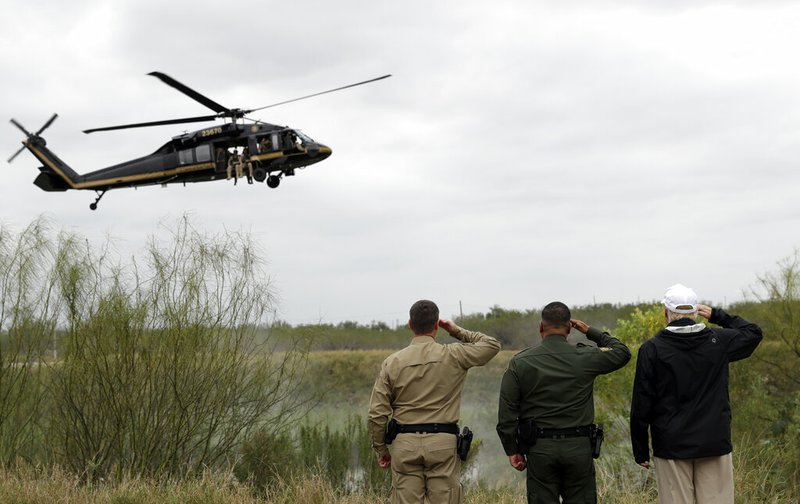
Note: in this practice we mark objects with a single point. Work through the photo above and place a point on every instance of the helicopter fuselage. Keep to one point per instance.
(199, 156)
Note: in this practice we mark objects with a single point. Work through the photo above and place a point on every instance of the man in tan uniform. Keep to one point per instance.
(420, 387)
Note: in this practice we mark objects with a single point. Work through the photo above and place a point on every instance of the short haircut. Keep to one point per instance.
(556, 314)
(423, 316)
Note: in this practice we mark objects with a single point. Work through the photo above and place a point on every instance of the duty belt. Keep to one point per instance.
(428, 428)
(582, 431)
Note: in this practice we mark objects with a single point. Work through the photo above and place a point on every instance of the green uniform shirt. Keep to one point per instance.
(553, 384)
(422, 383)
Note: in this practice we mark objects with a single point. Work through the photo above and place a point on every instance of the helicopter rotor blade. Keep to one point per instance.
(154, 123)
(317, 94)
(16, 154)
(191, 93)
(46, 125)
(21, 127)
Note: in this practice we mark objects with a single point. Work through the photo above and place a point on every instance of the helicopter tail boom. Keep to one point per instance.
(56, 175)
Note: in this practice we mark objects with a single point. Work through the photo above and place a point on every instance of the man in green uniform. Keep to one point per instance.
(420, 387)
(546, 413)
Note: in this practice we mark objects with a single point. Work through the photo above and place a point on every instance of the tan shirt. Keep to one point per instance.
(422, 383)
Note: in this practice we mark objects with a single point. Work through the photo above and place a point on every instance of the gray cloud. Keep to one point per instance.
(583, 151)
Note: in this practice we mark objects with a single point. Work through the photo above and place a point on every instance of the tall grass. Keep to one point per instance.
(56, 486)
(59, 487)
(218, 487)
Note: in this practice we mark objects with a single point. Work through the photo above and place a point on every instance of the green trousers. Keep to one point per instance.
(561, 468)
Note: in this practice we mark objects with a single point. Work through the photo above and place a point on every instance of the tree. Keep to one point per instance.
(778, 293)
(164, 371)
(641, 324)
(28, 314)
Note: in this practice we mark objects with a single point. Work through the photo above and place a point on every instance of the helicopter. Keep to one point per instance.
(263, 152)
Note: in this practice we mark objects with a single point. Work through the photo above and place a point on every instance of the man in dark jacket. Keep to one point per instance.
(681, 394)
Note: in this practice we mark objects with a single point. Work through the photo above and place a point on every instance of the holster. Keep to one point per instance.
(526, 435)
(463, 443)
(391, 431)
(596, 436)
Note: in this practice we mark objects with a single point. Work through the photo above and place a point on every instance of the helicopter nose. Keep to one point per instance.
(324, 151)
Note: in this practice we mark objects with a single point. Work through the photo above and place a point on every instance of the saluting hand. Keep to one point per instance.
(704, 311)
(448, 325)
(579, 325)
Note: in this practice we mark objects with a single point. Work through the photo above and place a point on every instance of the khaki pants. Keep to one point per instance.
(425, 465)
(706, 480)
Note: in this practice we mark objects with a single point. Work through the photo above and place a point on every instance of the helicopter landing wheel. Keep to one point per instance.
(273, 181)
(93, 206)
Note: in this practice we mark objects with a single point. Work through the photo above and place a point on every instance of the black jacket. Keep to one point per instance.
(681, 388)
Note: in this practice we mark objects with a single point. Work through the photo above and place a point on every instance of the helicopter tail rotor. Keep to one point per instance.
(46, 125)
(29, 134)
(16, 154)
(21, 127)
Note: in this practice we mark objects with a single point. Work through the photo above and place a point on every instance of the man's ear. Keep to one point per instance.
(410, 326)
(541, 327)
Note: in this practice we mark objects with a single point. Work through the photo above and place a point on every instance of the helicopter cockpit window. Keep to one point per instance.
(202, 153)
(294, 139)
(305, 139)
(302, 141)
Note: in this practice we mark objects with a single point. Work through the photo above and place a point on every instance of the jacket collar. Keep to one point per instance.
(685, 326)
(554, 339)
(421, 340)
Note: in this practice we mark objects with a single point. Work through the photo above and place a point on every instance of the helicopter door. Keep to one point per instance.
(220, 158)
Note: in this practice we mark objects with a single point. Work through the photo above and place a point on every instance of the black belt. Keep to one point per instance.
(428, 428)
(582, 431)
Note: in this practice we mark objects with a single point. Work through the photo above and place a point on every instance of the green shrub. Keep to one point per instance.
(266, 459)
(343, 458)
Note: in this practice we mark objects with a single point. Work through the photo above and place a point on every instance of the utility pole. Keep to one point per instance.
(460, 311)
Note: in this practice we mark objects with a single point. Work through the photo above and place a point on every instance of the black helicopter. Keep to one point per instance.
(261, 151)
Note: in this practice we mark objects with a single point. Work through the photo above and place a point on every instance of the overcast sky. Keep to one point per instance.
(522, 152)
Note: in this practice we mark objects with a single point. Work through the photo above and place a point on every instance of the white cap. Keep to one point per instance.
(680, 299)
